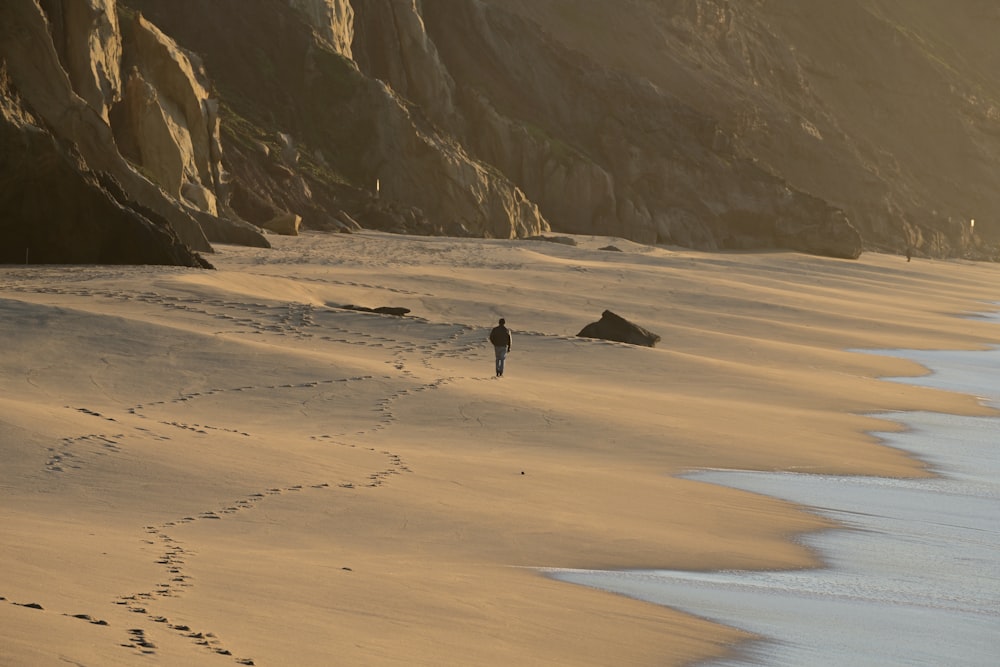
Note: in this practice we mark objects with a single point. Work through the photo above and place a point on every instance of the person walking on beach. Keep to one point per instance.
(500, 337)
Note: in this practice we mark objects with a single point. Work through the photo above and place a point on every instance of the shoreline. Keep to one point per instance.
(741, 651)
(366, 476)
(847, 580)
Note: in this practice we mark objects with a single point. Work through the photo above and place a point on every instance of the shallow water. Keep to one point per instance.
(912, 579)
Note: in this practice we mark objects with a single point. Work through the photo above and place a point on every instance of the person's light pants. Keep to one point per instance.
(501, 351)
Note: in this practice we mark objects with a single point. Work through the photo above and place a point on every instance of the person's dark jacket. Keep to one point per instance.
(500, 336)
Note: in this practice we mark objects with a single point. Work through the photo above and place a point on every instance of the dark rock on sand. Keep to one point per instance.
(617, 328)
(381, 310)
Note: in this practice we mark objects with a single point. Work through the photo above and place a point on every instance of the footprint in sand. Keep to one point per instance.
(138, 640)
(92, 413)
(74, 451)
(87, 617)
(172, 557)
(30, 605)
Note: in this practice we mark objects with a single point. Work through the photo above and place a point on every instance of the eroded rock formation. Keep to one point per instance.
(333, 21)
(167, 122)
(89, 44)
(360, 144)
(57, 211)
(63, 62)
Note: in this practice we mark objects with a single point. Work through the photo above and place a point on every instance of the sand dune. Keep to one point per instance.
(202, 467)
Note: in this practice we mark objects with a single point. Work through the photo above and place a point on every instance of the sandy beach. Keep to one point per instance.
(228, 467)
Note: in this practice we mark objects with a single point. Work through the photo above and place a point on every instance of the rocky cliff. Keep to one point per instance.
(309, 132)
(822, 127)
(62, 66)
(886, 109)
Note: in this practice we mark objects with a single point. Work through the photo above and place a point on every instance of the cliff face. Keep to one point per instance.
(822, 127)
(62, 64)
(886, 109)
(57, 210)
(320, 138)
(604, 152)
